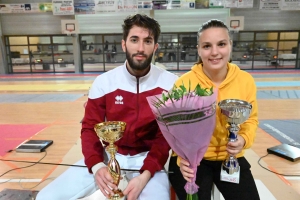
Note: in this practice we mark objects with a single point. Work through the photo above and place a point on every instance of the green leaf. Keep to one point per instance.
(203, 91)
(183, 88)
(164, 97)
(179, 92)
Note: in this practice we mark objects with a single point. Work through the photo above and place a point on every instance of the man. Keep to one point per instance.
(120, 95)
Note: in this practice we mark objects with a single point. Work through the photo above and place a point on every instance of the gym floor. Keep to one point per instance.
(51, 106)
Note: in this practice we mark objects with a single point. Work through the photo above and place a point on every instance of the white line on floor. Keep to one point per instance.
(20, 180)
(292, 177)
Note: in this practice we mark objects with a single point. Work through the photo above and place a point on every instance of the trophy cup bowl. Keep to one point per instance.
(236, 112)
(111, 132)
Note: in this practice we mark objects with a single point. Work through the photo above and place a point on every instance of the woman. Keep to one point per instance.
(214, 70)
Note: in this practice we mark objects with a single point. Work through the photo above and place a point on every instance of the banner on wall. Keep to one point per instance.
(63, 7)
(187, 4)
(26, 8)
(128, 5)
(106, 6)
(230, 3)
(290, 5)
(269, 5)
(238, 3)
(84, 6)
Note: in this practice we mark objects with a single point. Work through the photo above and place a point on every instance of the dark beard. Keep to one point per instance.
(138, 65)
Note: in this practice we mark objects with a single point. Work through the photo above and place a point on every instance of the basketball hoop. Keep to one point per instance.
(69, 32)
(234, 29)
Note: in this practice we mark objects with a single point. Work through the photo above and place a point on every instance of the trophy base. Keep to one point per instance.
(230, 165)
(232, 178)
(118, 195)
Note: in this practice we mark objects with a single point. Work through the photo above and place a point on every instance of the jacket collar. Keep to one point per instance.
(134, 78)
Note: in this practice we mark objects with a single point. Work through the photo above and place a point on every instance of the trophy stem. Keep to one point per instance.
(231, 164)
(113, 164)
(114, 170)
(233, 131)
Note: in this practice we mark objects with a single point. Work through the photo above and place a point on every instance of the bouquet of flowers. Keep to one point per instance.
(187, 120)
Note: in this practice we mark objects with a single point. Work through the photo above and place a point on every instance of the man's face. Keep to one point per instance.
(139, 48)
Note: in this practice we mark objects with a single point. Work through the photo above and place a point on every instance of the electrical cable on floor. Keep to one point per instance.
(44, 163)
(25, 166)
(271, 170)
(69, 165)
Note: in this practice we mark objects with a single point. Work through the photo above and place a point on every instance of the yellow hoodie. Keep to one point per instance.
(238, 84)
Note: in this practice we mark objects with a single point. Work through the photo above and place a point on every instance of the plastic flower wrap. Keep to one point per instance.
(186, 119)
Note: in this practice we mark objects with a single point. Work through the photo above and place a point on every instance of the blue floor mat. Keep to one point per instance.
(278, 94)
(286, 131)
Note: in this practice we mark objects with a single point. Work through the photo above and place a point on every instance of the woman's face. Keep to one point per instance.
(214, 48)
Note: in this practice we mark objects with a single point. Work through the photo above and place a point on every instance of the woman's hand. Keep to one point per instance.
(187, 172)
(233, 148)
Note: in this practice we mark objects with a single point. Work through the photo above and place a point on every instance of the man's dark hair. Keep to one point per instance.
(213, 23)
(141, 21)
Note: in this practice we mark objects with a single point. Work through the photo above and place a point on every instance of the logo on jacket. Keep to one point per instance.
(119, 99)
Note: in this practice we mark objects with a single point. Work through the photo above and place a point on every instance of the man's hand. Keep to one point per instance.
(187, 172)
(233, 148)
(136, 185)
(105, 181)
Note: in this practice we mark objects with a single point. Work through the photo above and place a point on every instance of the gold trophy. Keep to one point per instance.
(111, 132)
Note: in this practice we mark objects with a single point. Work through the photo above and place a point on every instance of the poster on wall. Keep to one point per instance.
(106, 6)
(116, 6)
(84, 6)
(290, 5)
(144, 5)
(216, 3)
(245, 4)
(201, 4)
(230, 3)
(269, 5)
(26, 8)
(5, 8)
(238, 3)
(173, 4)
(160, 5)
(45, 7)
(63, 7)
(181, 4)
